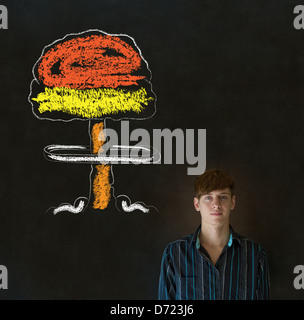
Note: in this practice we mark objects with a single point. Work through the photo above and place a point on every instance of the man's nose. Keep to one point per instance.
(216, 203)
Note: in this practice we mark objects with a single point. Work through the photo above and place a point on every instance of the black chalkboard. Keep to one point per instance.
(232, 69)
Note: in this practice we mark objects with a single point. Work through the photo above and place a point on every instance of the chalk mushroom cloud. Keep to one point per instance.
(92, 76)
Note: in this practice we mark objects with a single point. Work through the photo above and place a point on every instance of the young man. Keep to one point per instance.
(215, 262)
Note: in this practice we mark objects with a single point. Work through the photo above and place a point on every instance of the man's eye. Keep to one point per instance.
(208, 198)
(224, 197)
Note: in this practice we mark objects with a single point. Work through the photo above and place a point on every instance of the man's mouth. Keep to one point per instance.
(216, 213)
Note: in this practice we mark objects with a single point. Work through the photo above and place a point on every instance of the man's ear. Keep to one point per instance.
(196, 204)
(232, 203)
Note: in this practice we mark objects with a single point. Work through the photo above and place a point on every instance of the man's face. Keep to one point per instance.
(215, 207)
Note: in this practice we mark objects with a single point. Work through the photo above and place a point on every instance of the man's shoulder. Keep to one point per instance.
(185, 240)
(249, 244)
(180, 244)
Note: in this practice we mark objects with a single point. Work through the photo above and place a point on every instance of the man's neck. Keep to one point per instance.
(213, 236)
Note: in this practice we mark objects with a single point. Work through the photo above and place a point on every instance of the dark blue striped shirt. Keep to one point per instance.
(240, 273)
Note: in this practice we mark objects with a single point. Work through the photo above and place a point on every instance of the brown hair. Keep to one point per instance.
(211, 180)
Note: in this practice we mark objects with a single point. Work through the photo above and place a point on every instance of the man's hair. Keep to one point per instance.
(211, 180)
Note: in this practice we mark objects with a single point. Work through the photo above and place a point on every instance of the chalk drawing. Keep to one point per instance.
(133, 207)
(70, 208)
(93, 76)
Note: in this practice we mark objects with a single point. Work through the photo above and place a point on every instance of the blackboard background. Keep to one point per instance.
(234, 68)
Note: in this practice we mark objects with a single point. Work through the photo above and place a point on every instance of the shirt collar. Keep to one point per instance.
(233, 236)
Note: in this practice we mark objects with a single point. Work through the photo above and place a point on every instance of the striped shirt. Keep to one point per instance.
(240, 273)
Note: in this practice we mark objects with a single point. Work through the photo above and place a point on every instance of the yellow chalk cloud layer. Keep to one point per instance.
(92, 103)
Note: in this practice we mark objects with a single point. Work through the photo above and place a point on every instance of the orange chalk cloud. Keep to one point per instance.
(90, 62)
